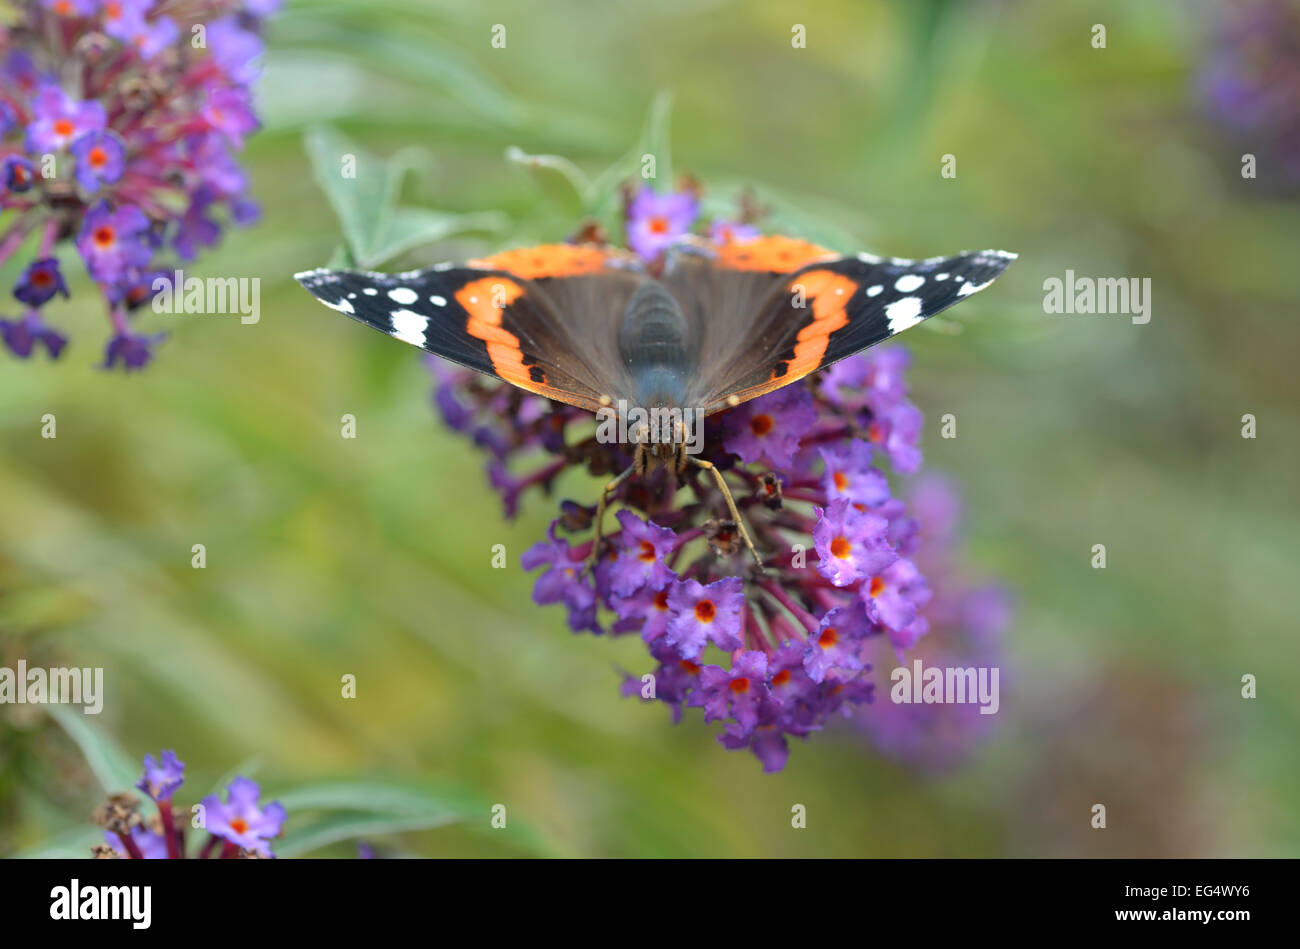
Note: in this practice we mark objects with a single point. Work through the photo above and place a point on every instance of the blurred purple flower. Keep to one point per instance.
(16, 174)
(657, 221)
(133, 350)
(161, 778)
(732, 232)
(57, 119)
(40, 282)
(837, 643)
(241, 820)
(21, 336)
(101, 158)
(152, 846)
(114, 244)
(1251, 78)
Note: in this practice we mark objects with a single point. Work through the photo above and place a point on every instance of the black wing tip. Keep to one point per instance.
(321, 276)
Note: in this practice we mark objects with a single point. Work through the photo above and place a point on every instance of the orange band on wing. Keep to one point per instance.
(828, 293)
(484, 301)
(547, 260)
(774, 253)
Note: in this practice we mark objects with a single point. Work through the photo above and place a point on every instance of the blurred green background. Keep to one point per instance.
(371, 556)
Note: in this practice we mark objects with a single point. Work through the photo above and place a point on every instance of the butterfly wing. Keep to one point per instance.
(541, 318)
(766, 323)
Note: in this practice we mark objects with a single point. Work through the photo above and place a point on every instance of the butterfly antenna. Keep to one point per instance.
(731, 505)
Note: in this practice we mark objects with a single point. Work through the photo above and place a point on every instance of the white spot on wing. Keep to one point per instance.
(941, 276)
(409, 327)
(874, 291)
(968, 288)
(403, 295)
(908, 282)
(343, 306)
(369, 291)
(437, 300)
(903, 313)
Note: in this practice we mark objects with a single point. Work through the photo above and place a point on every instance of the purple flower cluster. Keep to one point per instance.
(967, 622)
(1251, 78)
(119, 125)
(240, 826)
(770, 656)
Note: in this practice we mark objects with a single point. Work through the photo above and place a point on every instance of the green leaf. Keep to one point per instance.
(367, 808)
(363, 189)
(560, 178)
(377, 796)
(72, 844)
(420, 57)
(111, 765)
(415, 227)
(350, 826)
(605, 200)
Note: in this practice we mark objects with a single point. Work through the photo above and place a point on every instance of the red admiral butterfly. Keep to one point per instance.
(706, 327)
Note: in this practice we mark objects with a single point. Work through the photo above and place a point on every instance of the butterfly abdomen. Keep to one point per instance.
(653, 341)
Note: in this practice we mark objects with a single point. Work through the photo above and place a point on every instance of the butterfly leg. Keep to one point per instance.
(731, 505)
(600, 514)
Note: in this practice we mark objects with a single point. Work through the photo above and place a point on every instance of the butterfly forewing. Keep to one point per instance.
(534, 334)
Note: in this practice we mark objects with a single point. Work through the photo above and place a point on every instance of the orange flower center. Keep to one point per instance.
(740, 686)
(829, 637)
(63, 127)
(875, 432)
(647, 552)
(661, 600)
(760, 425)
(781, 678)
(704, 611)
(841, 480)
(658, 225)
(693, 668)
(112, 11)
(841, 548)
(63, 8)
(877, 586)
(42, 278)
(239, 825)
(104, 236)
(97, 156)
(20, 175)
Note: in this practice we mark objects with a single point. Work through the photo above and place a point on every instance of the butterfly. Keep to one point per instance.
(701, 329)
